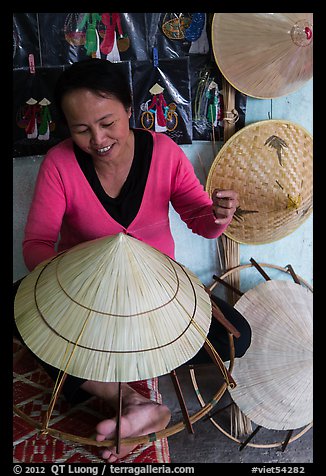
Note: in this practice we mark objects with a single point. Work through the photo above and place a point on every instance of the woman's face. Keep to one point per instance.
(98, 125)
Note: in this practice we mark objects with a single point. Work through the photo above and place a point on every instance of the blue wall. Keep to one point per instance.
(197, 253)
(295, 249)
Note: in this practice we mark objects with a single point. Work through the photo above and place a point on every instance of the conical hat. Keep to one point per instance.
(264, 55)
(156, 89)
(270, 164)
(113, 309)
(274, 377)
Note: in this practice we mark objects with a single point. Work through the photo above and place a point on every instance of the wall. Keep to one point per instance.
(295, 249)
(197, 253)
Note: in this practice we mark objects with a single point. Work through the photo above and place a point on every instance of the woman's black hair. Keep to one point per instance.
(95, 74)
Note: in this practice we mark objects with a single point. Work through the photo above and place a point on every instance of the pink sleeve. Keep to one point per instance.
(193, 203)
(45, 216)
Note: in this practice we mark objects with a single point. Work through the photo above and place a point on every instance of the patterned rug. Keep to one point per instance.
(32, 391)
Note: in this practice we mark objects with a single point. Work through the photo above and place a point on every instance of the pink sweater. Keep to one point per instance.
(65, 203)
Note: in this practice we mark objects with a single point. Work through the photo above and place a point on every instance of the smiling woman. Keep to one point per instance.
(98, 120)
(99, 126)
(106, 179)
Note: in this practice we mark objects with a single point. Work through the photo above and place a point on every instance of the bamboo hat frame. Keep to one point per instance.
(270, 164)
(52, 428)
(301, 327)
(264, 55)
(111, 273)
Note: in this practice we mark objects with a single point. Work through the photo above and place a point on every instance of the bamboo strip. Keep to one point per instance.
(143, 439)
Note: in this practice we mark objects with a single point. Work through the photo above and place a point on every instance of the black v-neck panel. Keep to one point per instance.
(125, 206)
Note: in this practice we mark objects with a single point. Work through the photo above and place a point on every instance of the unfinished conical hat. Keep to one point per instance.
(275, 376)
(264, 55)
(114, 310)
(270, 164)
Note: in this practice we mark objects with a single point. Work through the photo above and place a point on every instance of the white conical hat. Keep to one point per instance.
(113, 309)
(264, 55)
(274, 378)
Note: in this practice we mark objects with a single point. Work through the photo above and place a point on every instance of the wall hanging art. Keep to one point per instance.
(162, 100)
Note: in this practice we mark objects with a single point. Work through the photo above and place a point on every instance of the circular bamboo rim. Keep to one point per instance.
(233, 438)
(193, 375)
(264, 55)
(270, 164)
(142, 439)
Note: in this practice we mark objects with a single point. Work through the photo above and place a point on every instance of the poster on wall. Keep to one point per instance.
(178, 34)
(25, 39)
(70, 37)
(208, 100)
(181, 97)
(161, 96)
(36, 122)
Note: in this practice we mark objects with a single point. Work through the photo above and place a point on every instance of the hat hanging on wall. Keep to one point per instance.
(275, 376)
(270, 164)
(264, 55)
(113, 309)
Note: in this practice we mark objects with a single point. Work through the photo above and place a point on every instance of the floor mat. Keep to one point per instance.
(32, 392)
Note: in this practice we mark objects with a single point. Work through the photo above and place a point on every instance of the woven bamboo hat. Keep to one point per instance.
(269, 163)
(113, 309)
(275, 376)
(264, 55)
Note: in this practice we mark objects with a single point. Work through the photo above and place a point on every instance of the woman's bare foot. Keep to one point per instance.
(139, 416)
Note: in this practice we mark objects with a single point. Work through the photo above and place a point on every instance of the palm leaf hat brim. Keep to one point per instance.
(264, 55)
(113, 309)
(275, 376)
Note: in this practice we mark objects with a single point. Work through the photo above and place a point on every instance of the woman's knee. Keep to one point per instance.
(241, 343)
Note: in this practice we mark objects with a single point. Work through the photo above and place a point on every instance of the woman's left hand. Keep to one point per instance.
(225, 203)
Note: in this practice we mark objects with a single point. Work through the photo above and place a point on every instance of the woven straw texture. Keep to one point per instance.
(270, 164)
(275, 376)
(264, 55)
(113, 309)
(32, 389)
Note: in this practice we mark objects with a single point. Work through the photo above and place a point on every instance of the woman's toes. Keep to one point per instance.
(106, 427)
(106, 454)
(109, 456)
(112, 459)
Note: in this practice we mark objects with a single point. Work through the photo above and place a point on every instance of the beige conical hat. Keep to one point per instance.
(31, 101)
(264, 55)
(44, 102)
(275, 376)
(113, 309)
(270, 164)
(156, 89)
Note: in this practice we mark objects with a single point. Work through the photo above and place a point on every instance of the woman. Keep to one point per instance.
(106, 179)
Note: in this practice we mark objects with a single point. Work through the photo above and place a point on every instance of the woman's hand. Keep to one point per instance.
(225, 203)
